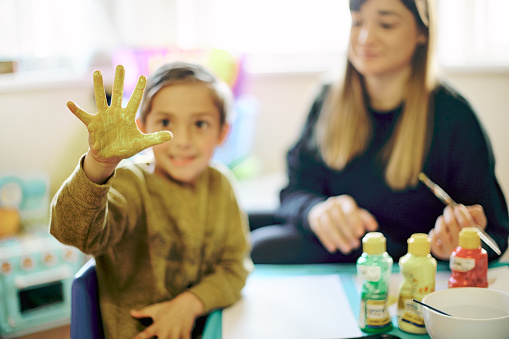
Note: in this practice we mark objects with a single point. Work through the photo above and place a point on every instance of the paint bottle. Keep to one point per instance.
(419, 269)
(374, 269)
(469, 261)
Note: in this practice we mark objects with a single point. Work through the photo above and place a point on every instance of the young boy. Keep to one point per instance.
(169, 239)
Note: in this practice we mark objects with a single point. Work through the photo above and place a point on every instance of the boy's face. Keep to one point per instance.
(189, 112)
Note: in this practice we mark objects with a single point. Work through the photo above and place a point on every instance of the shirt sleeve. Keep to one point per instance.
(83, 214)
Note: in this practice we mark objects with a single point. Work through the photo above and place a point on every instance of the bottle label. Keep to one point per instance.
(411, 312)
(461, 264)
(369, 273)
(377, 315)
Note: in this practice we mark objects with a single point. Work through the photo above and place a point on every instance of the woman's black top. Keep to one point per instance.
(460, 160)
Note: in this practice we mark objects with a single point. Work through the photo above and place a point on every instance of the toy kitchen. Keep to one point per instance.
(36, 271)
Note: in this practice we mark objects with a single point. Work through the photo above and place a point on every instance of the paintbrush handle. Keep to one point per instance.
(442, 195)
(447, 200)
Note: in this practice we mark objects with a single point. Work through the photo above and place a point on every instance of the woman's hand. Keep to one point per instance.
(339, 223)
(171, 319)
(113, 134)
(445, 236)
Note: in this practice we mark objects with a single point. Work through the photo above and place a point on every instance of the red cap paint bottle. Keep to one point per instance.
(469, 261)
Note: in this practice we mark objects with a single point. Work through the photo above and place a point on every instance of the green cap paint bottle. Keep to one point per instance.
(374, 269)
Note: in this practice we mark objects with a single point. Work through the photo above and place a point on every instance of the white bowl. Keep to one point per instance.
(476, 313)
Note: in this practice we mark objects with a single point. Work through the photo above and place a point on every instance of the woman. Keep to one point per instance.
(355, 167)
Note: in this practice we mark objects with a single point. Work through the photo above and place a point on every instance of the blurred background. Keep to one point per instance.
(273, 53)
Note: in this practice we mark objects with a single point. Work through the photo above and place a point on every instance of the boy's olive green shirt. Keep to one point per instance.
(153, 238)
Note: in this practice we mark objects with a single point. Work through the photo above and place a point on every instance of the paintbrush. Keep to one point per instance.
(431, 308)
(446, 199)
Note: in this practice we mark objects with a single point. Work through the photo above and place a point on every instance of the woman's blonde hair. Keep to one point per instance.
(346, 106)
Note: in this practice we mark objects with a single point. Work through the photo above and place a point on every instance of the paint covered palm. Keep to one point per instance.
(112, 131)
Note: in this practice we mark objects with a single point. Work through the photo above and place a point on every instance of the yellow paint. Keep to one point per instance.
(112, 130)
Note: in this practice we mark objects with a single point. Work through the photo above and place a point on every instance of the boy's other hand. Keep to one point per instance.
(113, 134)
(171, 319)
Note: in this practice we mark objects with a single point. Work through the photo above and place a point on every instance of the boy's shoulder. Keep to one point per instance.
(131, 175)
(220, 171)
(134, 173)
(220, 176)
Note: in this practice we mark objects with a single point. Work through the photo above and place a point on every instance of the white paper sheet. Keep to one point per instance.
(291, 307)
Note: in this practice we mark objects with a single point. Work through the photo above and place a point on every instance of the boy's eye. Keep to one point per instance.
(202, 124)
(165, 122)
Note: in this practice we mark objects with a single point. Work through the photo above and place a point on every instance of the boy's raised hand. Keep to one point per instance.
(113, 134)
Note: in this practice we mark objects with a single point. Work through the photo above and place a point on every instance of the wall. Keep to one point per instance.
(37, 131)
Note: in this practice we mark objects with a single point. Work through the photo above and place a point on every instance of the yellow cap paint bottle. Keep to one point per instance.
(418, 268)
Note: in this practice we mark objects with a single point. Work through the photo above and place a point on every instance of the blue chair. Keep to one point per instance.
(86, 321)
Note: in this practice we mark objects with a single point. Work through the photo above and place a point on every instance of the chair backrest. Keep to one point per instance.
(86, 321)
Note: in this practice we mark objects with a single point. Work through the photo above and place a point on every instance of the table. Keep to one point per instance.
(347, 272)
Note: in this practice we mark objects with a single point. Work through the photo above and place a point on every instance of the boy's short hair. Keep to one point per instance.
(184, 72)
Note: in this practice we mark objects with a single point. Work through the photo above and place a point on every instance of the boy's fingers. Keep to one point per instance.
(149, 332)
(118, 86)
(135, 100)
(99, 94)
(156, 138)
(79, 113)
(138, 313)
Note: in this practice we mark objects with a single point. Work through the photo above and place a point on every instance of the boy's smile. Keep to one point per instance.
(189, 112)
(181, 160)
